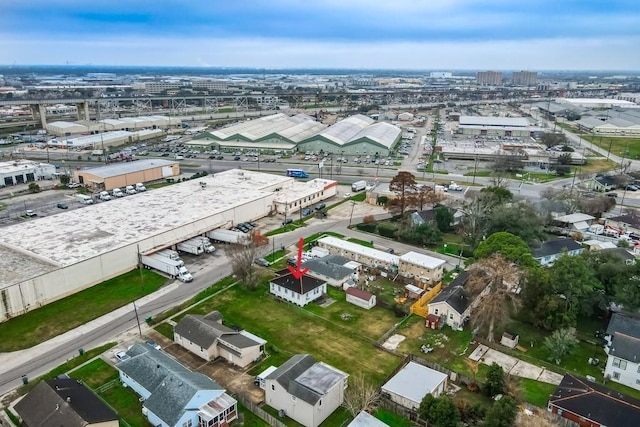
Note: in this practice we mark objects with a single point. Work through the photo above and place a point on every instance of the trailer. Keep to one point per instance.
(191, 247)
(359, 185)
(228, 236)
(167, 266)
(171, 254)
(206, 244)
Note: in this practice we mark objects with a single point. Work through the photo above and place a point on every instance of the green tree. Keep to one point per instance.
(476, 216)
(444, 218)
(545, 308)
(403, 184)
(443, 413)
(564, 159)
(520, 219)
(34, 188)
(495, 380)
(560, 344)
(423, 234)
(425, 406)
(502, 413)
(502, 194)
(551, 139)
(562, 170)
(572, 277)
(493, 279)
(512, 247)
(65, 179)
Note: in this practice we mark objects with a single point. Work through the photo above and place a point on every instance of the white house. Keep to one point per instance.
(172, 395)
(208, 338)
(414, 381)
(623, 350)
(551, 250)
(360, 298)
(332, 269)
(453, 304)
(298, 291)
(305, 390)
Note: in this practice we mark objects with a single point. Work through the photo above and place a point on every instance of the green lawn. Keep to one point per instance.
(126, 404)
(359, 197)
(345, 344)
(61, 316)
(250, 419)
(360, 242)
(165, 329)
(385, 290)
(391, 418)
(617, 145)
(276, 255)
(536, 392)
(95, 373)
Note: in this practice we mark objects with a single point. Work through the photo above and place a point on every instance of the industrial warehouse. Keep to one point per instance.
(123, 174)
(63, 128)
(49, 258)
(355, 135)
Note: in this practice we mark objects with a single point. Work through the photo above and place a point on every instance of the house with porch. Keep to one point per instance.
(172, 395)
(305, 390)
(208, 338)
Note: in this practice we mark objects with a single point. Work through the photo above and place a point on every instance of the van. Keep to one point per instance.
(117, 192)
(140, 187)
(179, 157)
(82, 198)
(439, 187)
(130, 190)
(105, 196)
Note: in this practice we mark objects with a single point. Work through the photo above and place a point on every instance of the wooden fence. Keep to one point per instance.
(420, 307)
(259, 412)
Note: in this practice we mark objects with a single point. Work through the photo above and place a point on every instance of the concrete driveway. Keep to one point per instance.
(514, 366)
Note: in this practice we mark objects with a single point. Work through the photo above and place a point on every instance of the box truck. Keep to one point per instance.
(117, 192)
(105, 196)
(171, 254)
(167, 266)
(191, 247)
(83, 198)
(140, 187)
(359, 186)
(206, 244)
(228, 236)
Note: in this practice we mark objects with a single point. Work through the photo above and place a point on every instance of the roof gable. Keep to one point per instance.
(555, 246)
(624, 324)
(455, 295)
(201, 330)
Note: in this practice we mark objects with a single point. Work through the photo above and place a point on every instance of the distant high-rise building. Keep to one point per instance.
(489, 78)
(525, 78)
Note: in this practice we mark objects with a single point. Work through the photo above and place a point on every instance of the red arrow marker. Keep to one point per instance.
(298, 272)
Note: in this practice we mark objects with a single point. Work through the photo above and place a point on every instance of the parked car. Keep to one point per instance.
(631, 187)
(73, 185)
(612, 194)
(153, 344)
(62, 206)
(306, 211)
(122, 356)
(236, 158)
(287, 221)
(263, 262)
(219, 157)
(30, 213)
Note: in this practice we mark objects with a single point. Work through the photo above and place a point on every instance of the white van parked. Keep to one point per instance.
(105, 196)
(130, 190)
(140, 187)
(87, 200)
(117, 192)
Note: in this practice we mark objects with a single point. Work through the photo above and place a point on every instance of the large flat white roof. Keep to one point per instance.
(423, 260)
(414, 381)
(70, 237)
(295, 128)
(299, 190)
(117, 169)
(494, 121)
(361, 250)
(595, 101)
(19, 166)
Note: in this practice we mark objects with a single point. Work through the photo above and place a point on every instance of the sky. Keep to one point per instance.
(357, 34)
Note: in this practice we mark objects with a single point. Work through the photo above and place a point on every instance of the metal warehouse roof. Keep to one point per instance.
(127, 167)
(343, 131)
(73, 236)
(361, 250)
(421, 260)
(295, 128)
(414, 382)
(494, 121)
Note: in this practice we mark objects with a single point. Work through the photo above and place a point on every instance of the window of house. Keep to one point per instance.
(619, 363)
(273, 387)
(637, 381)
(320, 402)
(616, 375)
(451, 316)
(639, 369)
(436, 312)
(188, 423)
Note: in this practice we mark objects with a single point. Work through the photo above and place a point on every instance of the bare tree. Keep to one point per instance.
(476, 214)
(242, 256)
(360, 395)
(403, 184)
(494, 280)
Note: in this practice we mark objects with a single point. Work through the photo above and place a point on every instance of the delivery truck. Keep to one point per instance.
(359, 186)
(228, 236)
(167, 266)
(191, 247)
(206, 244)
(171, 254)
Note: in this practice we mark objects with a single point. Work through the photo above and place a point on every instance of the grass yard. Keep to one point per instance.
(536, 392)
(126, 404)
(250, 419)
(360, 197)
(165, 329)
(275, 256)
(391, 418)
(617, 145)
(61, 316)
(595, 166)
(292, 330)
(360, 242)
(385, 290)
(95, 373)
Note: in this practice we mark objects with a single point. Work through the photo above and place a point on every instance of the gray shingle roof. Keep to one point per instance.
(171, 384)
(555, 246)
(454, 294)
(63, 402)
(309, 283)
(326, 267)
(625, 347)
(625, 324)
(200, 330)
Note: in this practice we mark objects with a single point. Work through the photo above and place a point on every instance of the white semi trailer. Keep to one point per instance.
(191, 247)
(167, 266)
(228, 236)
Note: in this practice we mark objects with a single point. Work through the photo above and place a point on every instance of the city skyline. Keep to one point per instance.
(354, 34)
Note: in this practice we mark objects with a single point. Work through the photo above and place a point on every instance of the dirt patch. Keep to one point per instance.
(234, 379)
(393, 342)
(185, 357)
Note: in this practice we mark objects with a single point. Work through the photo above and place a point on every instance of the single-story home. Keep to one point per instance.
(297, 291)
(208, 338)
(428, 216)
(331, 269)
(64, 402)
(623, 350)
(627, 222)
(172, 395)
(574, 222)
(360, 298)
(453, 304)
(305, 390)
(551, 250)
(601, 183)
(590, 404)
(412, 383)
